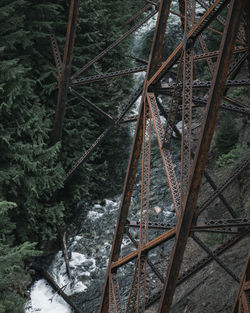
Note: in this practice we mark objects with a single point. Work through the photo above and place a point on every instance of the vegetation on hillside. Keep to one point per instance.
(31, 169)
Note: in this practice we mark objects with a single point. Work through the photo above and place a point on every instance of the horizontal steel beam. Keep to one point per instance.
(222, 187)
(200, 84)
(91, 105)
(199, 266)
(114, 44)
(147, 247)
(101, 77)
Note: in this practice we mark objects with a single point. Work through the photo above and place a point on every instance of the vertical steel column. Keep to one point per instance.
(155, 58)
(154, 62)
(66, 69)
(188, 68)
(205, 50)
(124, 206)
(242, 301)
(145, 183)
(215, 97)
(247, 30)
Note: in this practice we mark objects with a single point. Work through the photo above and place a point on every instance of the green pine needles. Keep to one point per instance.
(31, 169)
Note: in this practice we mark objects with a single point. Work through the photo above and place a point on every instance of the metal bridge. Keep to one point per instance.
(184, 98)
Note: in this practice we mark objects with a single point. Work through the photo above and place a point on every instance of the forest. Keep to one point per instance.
(32, 169)
(35, 201)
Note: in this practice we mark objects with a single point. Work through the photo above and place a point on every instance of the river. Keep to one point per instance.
(90, 237)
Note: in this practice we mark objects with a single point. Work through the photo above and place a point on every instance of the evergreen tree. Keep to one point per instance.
(32, 170)
(29, 173)
(99, 25)
(14, 279)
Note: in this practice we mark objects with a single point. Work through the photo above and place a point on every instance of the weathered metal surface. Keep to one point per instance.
(242, 301)
(91, 105)
(57, 55)
(184, 186)
(204, 21)
(200, 265)
(165, 154)
(96, 78)
(223, 186)
(215, 97)
(147, 247)
(208, 84)
(247, 30)
(64, 70)
(103, 136)
(235, 225)
(113, 45)
(124, 206)
(222, 264)
(187, 92)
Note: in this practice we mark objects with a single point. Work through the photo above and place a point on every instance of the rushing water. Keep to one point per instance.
(89, 246)
(90, 238)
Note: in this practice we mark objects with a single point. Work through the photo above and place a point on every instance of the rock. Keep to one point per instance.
(157, 210)
(179, 127)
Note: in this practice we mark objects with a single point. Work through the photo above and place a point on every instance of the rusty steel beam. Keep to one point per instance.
(154, 269)
(223, 186)
(199, 101)
(113, 45)
(225, 106)
(200, 265)
(205, 51)
(222, 198)
(137, 14)
(242, 300)
(101, 77)
(236, 65)
(165, 154)
(235, 101)
(64, 78)
(187, 92)
(214, 100)
(57, 55)
(201, 224)
(215, 257)
(204, 21)
(91, 105)
(247, 31)
(88, 153)
(131, 303)
(212, 54)
(144, 249)
(154, 59)
(144, 209)
(223, 226)
(124, 206)
(151, 225)
(102, 137)
(139, 60)
(115, 298)
(206, 84)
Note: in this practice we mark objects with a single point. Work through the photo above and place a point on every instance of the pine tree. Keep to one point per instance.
(29, 173)
(14, 279)
(98, 26)
(32, 170)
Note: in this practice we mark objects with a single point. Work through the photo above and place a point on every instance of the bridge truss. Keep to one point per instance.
(186, 97)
